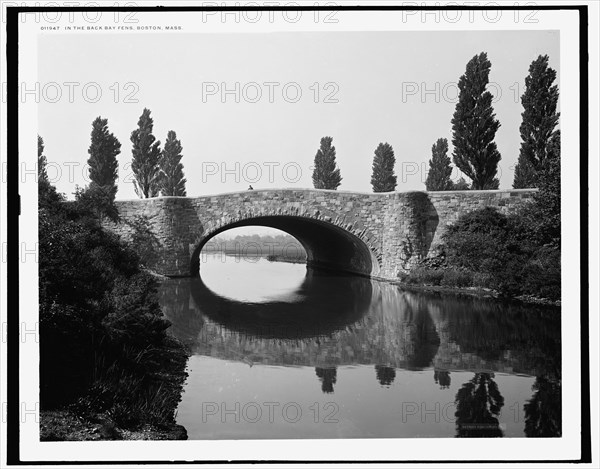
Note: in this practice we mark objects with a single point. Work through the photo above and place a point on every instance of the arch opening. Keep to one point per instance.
(256, 242)
(253, 264)
(327, 246)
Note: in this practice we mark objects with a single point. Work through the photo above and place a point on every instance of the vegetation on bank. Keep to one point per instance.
(288, 259)
(108, 369)
(516, 255)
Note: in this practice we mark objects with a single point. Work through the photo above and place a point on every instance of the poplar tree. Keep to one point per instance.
(474, 126)
(325, 174)
(438, 177)
(103, 151)
(146, 156)
(547, 199)
(540, 119)
(525, 174)
(99, 196)
(172, 181)
(42, 161)
(383, 178)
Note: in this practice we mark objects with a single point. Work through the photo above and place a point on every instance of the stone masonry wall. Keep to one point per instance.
(398, 228)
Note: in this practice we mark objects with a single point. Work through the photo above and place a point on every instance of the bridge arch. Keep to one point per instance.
(328, 246)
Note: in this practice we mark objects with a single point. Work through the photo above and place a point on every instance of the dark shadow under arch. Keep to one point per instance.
(327, 246)
(324, 307)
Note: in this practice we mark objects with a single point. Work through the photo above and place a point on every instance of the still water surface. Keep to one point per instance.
(280, 351)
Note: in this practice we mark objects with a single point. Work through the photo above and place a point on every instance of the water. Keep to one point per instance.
(282, 352)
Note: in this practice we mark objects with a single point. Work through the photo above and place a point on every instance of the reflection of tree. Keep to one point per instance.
(442, 378)
(478, 404)
(328, 377)
(543, 416)
(385, 374)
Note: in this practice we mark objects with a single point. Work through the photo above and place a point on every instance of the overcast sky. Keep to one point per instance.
(375, 84)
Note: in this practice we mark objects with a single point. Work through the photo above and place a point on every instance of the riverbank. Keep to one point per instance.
(150, 417)
(64, 425)
(478, 292)
(289, 260)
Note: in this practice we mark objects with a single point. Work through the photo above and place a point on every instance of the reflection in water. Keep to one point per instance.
(478, 405)
(334, 329)
(328, 377)
(543, 410)
(442, 378)
(321, 306)
(227, 284)
(385, 374)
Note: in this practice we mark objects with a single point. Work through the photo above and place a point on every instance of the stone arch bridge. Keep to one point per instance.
(376, 235)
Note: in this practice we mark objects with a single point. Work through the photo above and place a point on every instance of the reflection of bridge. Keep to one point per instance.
(369, 323)
(376, 235)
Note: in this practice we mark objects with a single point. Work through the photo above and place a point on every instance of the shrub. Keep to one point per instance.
(135, 316)
(473, 241)
(503, 253)
(424, 276)
(542, 274)
(144, 241)
(459, 278)
(482, 280)
(103, 342)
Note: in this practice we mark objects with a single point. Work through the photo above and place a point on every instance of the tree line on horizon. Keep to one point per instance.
(474, 127)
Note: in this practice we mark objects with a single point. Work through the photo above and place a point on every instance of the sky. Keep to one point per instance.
(361, 88)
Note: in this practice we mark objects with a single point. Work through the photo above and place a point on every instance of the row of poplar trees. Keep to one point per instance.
(474, 127)
(156, 171)
(326, 174)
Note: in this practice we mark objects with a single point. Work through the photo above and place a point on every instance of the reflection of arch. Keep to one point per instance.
(387, 326)
(324, 308)
(329, 243)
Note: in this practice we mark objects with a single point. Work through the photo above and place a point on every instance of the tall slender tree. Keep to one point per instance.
(383, 178)
(104, 149)
(172, 181)
(474, 125)
(525, 174)
(547, 200)
(438, 177)
(540, 119)
(146, 155)
(325, 174)
(42, 161)
(99, 196)
(48, 197)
